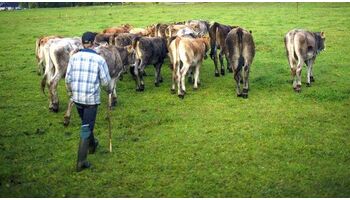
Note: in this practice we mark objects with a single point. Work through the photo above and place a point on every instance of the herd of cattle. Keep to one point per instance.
(186, 44)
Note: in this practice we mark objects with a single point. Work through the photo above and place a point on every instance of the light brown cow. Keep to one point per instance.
(241, 51)
(39, 51)
(189, 52)
(116, 30)
(171, 30)
(303, 46)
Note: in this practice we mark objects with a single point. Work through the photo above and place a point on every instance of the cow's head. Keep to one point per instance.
(320, 39)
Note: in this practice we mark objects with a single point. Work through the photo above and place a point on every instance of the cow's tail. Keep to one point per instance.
(240, 40)
(135, 42)
(212, 35)
(176, 58)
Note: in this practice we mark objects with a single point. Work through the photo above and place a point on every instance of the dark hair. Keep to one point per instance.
(88, 37)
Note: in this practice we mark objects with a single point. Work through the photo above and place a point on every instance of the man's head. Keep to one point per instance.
(88, 39)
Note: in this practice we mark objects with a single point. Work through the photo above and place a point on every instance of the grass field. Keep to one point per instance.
(277, 143)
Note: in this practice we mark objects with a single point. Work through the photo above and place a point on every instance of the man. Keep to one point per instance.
(85, 72)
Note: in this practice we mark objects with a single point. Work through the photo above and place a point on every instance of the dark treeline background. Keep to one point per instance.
(63, 4)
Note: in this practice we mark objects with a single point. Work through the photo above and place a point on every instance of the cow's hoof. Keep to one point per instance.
(140, 89)
(229, 70)
(181, 96)
(172, 91)
(245, 96)
(54, 109)
(190, 80)
(312, 79)
(66, 121)
(156, 84)
(217, 74)
(195, 88)
(297, 89)
(114, 103)
(239, 95)
(223, 72)
(161, 80)
(308, 84)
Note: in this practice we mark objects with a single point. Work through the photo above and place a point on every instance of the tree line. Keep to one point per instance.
(63, 4)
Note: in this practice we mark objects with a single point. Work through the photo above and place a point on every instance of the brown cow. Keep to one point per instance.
(218, 33)
(241, 51)
(189, 52)
(303, 46)
(116, 30)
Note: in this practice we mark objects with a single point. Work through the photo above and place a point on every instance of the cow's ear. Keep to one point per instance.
(323, 35)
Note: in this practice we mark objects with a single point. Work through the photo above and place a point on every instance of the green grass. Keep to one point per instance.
(277, 143)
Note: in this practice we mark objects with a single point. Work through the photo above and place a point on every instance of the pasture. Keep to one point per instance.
(276, 143)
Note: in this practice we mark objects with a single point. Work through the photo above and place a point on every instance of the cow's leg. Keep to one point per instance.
(174, 77)
(53, 88)
(157, 74)
(309, 67)
(190, 75)
(311, 70)
(183, 73)
(141, 74)
(178, 78)
(196, 76)
(228, 64)
(68, 113)
(113, 87)
(299, 68)
(137, 75)
(214, 56)
(246, 70)
(221, 58)
(237, 75)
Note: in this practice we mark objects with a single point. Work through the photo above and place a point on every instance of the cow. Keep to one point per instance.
(217, 34)
(160, 30)
(104, 37)
(116, 30)
(171, 30)
(187, 32)
(116, 58)
(39, 51)
(148, 51)
(141, 31)
(186, 53)
(241, 51)
(57, 53)
(200, 26)
(303, 46)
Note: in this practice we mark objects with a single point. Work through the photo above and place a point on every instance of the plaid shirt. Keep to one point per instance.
(86, 69)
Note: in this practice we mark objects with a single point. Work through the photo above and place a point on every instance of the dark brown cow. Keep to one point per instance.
(148, 51)
(218, 33)
(241, 51)
(303, 46)
(104, 37)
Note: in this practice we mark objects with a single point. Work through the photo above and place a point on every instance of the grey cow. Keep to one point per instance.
(303, 46)
(241, 51)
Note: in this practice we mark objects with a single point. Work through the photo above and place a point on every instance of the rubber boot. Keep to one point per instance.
(93, 143)
(82, 163)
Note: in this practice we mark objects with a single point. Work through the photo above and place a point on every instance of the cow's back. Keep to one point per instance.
(239, 42)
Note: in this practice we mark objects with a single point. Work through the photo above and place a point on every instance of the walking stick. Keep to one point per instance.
(109, 121)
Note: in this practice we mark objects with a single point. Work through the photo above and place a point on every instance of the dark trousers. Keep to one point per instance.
(87, 114)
